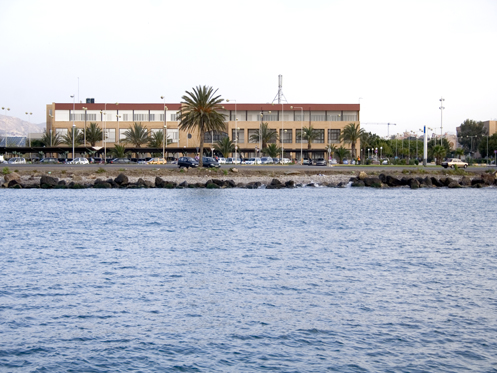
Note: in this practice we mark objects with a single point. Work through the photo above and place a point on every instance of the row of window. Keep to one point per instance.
(286, 136)
(124, 117)
(172, 134)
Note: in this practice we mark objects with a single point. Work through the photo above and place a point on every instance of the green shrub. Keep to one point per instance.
(6, 171)
(225, 172)
(100, 170)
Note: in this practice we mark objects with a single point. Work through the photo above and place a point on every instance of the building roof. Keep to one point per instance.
(227, 106)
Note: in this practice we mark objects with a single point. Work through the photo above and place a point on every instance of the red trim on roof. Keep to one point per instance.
(230, 106)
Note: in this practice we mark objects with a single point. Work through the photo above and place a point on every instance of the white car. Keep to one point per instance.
(266, 160)
(221, 160)
(79, 161)
(285, 161)
(233, 160)
(17, 160)
(252, 161)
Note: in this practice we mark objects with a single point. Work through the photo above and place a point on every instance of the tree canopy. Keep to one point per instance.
(200, 111)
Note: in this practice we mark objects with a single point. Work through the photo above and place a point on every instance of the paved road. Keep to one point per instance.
(344, 168)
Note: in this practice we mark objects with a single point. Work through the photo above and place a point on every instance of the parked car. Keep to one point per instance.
(187, 162)
(307, 162)
(17, 160)
(50, 160)
(452, 162)
(252, 161)
(159, 160)
(266, 160)
(233, 160)
(210, 162)
(221, 160)
(79, 161)
(320, 162)
(285, 161)
(141, 161)
(120, 161)
(276, 160)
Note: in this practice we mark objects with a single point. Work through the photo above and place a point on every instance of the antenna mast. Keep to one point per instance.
(280, 94)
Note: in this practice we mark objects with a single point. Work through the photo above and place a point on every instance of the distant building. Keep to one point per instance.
(328, 121)
(490, 126)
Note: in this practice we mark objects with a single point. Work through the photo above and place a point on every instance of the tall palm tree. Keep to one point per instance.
(93, 134)
(309, 134)
(272, 150)
(264, 135)
(200, 111)
(225, 146)
(136, 135)
(439, 153)
(341, 153)
(351, 133)
(119, 151)
(50, 139)
(459, 152)
(156, 139)
(78, 137)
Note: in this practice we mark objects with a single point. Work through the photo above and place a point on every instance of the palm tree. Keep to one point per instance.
(50, 139)
(264, 135)
(200, 111)
(341, 153)
(309, 134)
(272, 150)
(439, 153)
(93, 134)
(136, 135)
(459, 152)
(225, 146)
(156, 139)
(68, 138)
(330, 148)
(119, 151)
(351, 133)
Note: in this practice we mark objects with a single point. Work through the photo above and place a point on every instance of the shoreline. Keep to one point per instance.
(78, 178)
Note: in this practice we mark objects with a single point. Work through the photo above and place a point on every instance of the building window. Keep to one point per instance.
(286, 136)
(319, 136)
(241, 136)
(213, 136)
(122, 133)
(140, 117)
(173, 135)
(81, 117)
(318, 118)
(334, 136)
(173, 118)
(298, 137)
(252, 135)
(334, 117)
(350, 117)
(110, 135)
(126, 117)
(270, 117)
(152, 118)
(61, 131)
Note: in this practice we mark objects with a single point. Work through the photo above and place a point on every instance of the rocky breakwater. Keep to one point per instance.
(387, 181)
(13, 180)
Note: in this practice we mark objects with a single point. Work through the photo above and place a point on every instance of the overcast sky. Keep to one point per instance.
(396, 57)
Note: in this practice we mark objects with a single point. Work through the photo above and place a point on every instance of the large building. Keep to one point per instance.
(242, 121)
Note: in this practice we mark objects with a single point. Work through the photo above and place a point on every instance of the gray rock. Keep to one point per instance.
(374, 182)
(121, 179)
(358, 183)
(392, 181)
(48, 181)
(413, 184)
(465, 181)
(454, 184)
(12, 176)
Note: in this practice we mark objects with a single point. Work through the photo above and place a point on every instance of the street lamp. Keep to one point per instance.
(117, 117)
(281, 137)
(381, 148)
(164, 132)
(441, 118)
(86, 110)
(73, 125)
(236, 125)
(301, 116)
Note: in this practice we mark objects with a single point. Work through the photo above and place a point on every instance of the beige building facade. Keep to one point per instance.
(242, 121)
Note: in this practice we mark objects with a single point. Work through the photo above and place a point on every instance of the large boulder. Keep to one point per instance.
(454, 184)
(12, 176)
(436, 182)
(465, 181)
(358, 183)
(362, 175)
(374, 182)
(392, 181)
(121, 179)
(488, 179)
(413, 184)
(48, 181)
(159, 182)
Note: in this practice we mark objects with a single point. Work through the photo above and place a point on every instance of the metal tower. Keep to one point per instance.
(280, 94)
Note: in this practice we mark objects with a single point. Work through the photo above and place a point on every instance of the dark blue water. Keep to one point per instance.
(303, 280)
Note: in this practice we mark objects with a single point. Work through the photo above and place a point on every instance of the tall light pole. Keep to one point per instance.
(441, 118)
(301, 118)
(84, 134)
(73, 125)
(164, 131)
(236, 127)
(6, 135)
(117, 117)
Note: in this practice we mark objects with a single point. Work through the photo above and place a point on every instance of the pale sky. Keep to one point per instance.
(397, 57)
